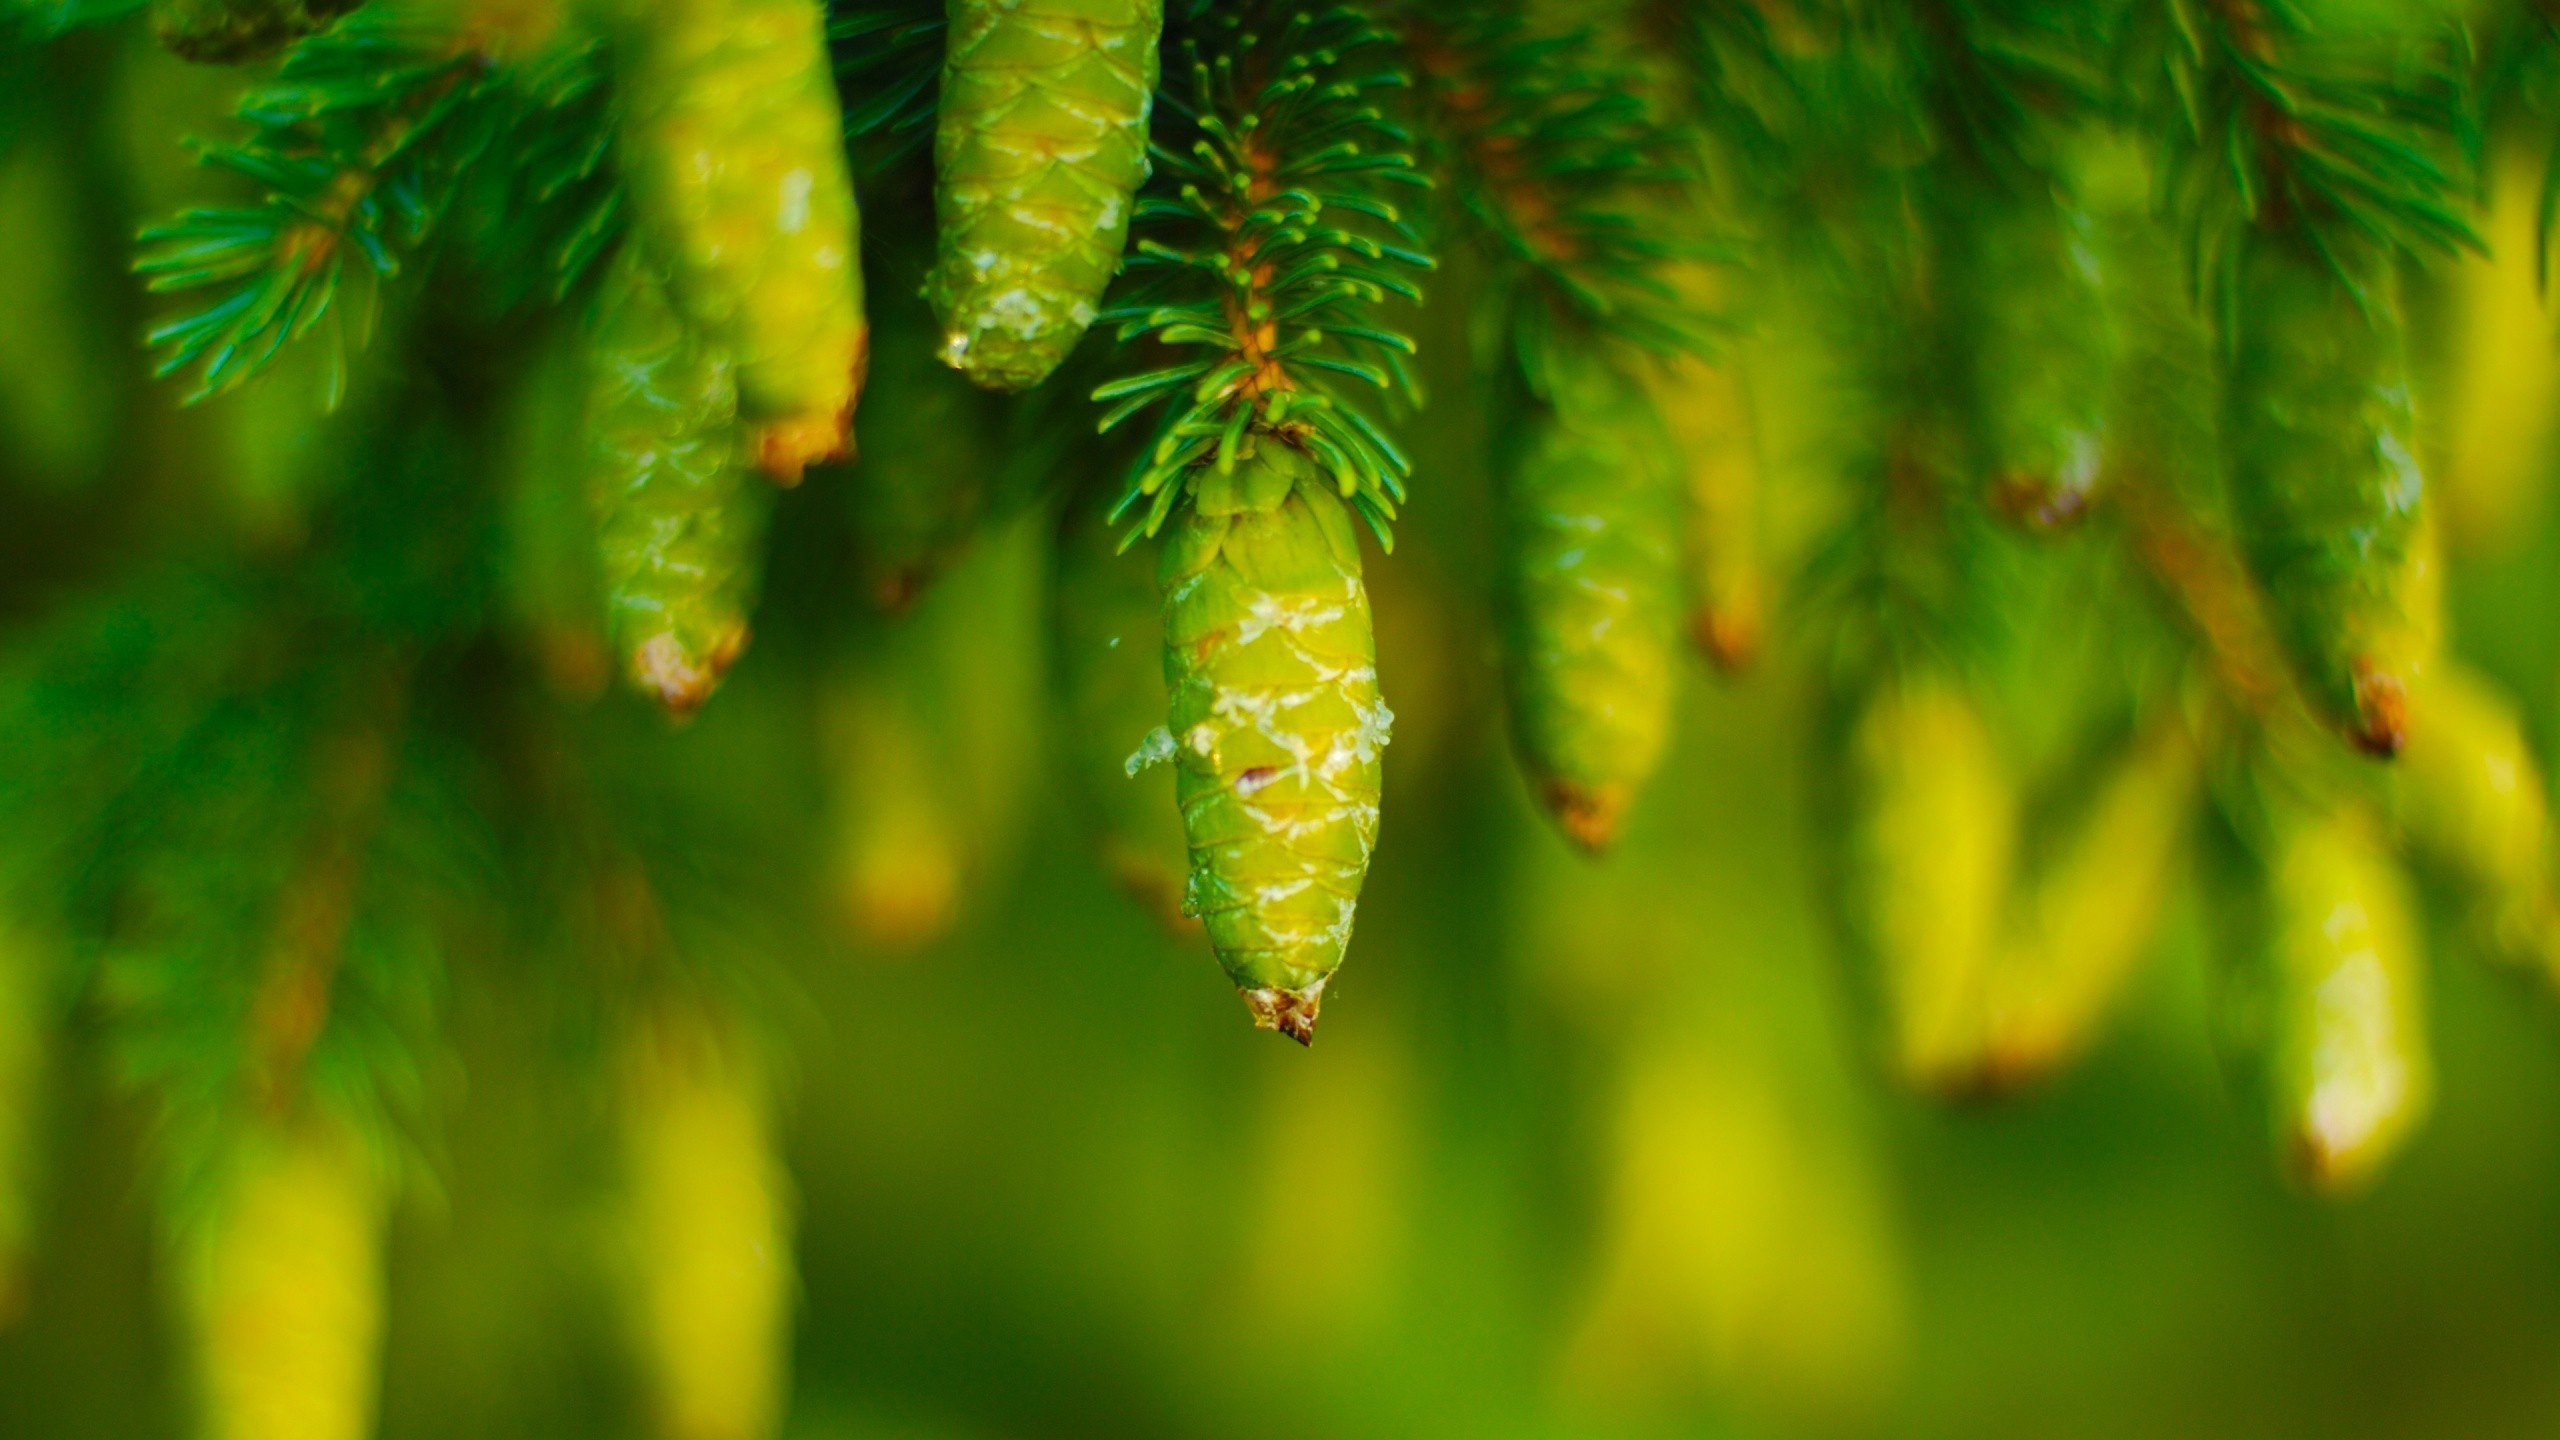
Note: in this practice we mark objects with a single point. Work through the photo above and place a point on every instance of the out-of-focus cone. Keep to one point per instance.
(2347, 1055)
(282, 1288)
(2471, 799)
(2486, 323)
(2083, 922)
(1708, 409)
(2038, 346)
(1934, 830)
(897, 849)
(1590, 587)
(709, 1216)
(1745, 1248)
(929, 728)
(935, 471)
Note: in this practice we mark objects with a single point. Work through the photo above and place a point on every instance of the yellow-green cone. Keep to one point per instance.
(1708, 410)
(2039, 353)
(2086, 917)
(1591, 591)
(708, 1212)
(1932, 836)
(2472, 799)
(1276, 724)
(1040, 146)
(282, 1289)
(2347, 1055)
(679, 521)
(2325, 481)
(732, 143)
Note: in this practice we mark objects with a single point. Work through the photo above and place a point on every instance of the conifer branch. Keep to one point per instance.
(1262, 250)
(1995, 77)
(360, 146)
(2528, 64)
(2271, 121)
(2200, 575)
(1555, 149)
(315, 909)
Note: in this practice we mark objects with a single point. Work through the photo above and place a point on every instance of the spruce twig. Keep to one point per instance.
(2270, 120)
(359, 147)
(1263, 248)
(1556, 152)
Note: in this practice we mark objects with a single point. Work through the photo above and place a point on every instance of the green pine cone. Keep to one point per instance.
(2325, 483)
(2348, 1063)
(2471, 800)
(1707, 410)
(1105, 622)
(1042, 142)
(2038, 351)
(679, 520)
(280, 1287)
(1592, 593)
(733, 147)
(1276, 722)
(232, 32)
(705, 1230)
(2084, 920)
(1932, 834)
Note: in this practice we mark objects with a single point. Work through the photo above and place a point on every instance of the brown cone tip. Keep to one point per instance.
(2003, 1072)
(1588, 814)
(681, 682)
(2321, 1169)
(895, 592)
(2038, 502)
(1291, 1012)
(1728, 638)
(2382, 711)
(785, 448)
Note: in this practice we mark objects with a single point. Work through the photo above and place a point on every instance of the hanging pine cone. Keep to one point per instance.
(282, 1286)
(1040, 148)
(707, 1215)
(732, 144)
(679, 521)
(1591, 592)
(2022, 276)
(2325, 482)
(1277, 727)
(2347, 1056)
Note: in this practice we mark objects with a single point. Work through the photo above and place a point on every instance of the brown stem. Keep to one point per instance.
(2212, 594)
(351, 775)
(1526, 206)
(309, 244)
